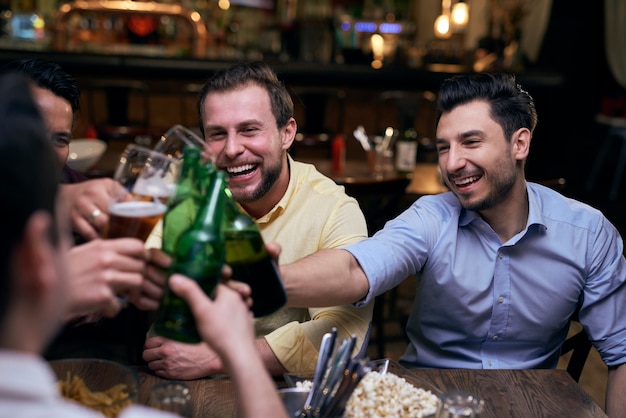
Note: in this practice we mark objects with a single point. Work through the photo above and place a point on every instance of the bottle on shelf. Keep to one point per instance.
(199, 254)
(250, 261)
(406, 151)
(338, 154)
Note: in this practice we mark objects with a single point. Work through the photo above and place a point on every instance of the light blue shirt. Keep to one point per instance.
(484, 304)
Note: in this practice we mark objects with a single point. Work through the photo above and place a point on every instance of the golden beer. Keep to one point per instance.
(134, 219)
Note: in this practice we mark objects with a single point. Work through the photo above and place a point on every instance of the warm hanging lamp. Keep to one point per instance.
(459, 15)
(442, 23)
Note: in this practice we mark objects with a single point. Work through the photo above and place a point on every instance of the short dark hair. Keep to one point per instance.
(511, 106)
(50, 76)
(241, 74)
(28, 172)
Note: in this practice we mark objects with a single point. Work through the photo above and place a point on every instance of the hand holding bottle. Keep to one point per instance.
(199, 254)
(251, 263)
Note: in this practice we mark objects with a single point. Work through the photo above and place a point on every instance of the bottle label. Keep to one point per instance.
(406, 153)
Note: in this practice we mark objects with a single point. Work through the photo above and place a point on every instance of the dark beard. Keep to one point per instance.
(500, 190)
(270, 176)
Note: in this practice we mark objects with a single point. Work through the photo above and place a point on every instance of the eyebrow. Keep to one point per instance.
(241, 124)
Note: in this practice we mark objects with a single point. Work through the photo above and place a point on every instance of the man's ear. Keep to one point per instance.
(521, 144)
(288, 133)
(34, 259)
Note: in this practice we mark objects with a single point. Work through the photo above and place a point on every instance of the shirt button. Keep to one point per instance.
(490, 363)
(501, 299)
(495, 337)
(500, 255)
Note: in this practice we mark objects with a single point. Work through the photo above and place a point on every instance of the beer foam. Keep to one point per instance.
(136, 209)
(154, 186)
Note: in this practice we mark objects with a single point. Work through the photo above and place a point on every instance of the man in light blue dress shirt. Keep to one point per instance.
(502, 263)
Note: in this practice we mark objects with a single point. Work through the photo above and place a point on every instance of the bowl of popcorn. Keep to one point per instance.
(388, 395)
(380, 393)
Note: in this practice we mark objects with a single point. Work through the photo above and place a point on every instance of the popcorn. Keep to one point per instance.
(388, 395)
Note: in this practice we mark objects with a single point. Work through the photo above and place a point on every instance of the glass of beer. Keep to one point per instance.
(176, 139)
(149, 179)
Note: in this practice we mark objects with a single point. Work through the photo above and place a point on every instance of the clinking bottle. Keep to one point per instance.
(198, 254)
(250, 261)
(182, 207)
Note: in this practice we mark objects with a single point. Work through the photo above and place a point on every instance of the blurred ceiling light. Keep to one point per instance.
(442, 23)
(460, 14)
(452, 19)
(378, 47)
(442, 27)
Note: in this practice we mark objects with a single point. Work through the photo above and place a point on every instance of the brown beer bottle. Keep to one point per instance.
(198, 254)
(247, 256)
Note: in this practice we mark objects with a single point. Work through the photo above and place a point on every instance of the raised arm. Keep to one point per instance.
(325, 278)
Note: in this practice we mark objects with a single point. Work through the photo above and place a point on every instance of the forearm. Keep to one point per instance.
(255, 389)
(325, 278)
(270, 360)
(616, 392)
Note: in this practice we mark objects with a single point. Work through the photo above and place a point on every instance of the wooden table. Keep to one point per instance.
(512, 393)
(507, 393)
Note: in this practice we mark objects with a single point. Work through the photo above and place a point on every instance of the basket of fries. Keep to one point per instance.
(103, 385)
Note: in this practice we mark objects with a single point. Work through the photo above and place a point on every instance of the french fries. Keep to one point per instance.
(109, 402)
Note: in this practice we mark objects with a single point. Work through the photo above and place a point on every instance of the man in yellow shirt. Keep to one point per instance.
(247, 121)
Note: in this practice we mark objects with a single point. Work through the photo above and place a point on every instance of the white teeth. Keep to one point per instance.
(466, 180)
(239, 169)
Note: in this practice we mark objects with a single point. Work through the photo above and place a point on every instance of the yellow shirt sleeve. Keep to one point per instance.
(296, 344)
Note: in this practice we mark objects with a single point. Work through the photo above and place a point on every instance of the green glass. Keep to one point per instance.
(198, 254)
(250, 261)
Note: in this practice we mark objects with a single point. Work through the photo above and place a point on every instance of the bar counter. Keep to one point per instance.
(292, 73)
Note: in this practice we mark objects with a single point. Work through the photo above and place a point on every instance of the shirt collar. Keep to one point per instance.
(535, 217)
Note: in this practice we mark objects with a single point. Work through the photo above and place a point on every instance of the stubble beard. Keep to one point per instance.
(503, 182)
(269, 176)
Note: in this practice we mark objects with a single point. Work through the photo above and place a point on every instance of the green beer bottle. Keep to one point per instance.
(182, 207)
(198, 254)
(247, 256)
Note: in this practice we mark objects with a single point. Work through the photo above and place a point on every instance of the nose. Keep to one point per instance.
(455, 159)
(232, 146)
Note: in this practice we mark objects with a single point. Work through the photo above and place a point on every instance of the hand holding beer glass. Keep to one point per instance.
(149, 179)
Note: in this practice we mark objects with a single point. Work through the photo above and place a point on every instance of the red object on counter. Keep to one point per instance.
(338, 154)
(91, 132)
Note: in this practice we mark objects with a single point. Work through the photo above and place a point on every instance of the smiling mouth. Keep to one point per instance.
(466, 181)
(241, 170)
